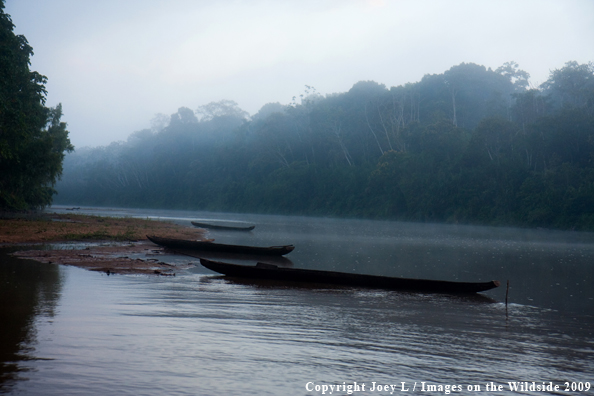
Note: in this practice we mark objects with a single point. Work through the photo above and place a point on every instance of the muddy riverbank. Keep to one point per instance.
(107, 244)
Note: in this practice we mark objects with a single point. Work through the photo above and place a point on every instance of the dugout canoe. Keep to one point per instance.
(273, 272)
(237, 258)
(218, 247)
(211, 226)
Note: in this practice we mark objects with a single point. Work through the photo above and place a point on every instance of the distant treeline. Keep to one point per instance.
(471, 145)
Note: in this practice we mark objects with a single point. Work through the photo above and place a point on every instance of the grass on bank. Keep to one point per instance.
(77, 227)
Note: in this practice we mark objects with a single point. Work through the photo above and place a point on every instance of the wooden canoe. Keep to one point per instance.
(218, 247)
(269, 271)
(222, 227)
(237, 258)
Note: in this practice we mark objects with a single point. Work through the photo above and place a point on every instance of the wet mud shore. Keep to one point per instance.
(106, 244)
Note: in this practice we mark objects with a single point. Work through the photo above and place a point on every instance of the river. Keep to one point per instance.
(65, 330)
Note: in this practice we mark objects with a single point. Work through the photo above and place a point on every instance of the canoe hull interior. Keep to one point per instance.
(221, 227)
(217, 247)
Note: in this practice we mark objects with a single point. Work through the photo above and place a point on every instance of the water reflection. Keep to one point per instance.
(200, 333)
(203, 334)
(236, 258)
(265, 284)
(27, 290)
(546, 268)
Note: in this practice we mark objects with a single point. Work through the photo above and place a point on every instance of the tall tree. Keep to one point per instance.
(519, 78)
(32, 137)
(572, 85)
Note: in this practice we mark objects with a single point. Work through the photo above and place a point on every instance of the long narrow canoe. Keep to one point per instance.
(218, 247)
(237, 258)
(222, 227)
(268, 271)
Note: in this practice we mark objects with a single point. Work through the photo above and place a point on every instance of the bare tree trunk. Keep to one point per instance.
(454, 92)
(281, 158)
(372, 132)
(379, 112)
(336, 129)
(397, 121)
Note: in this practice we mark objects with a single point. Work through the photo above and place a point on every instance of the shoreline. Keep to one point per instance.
(113, 245)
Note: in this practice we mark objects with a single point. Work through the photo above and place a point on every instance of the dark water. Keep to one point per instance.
(69, 331)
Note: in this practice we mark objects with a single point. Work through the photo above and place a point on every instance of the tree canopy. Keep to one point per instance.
(32, 137)
(470, 145)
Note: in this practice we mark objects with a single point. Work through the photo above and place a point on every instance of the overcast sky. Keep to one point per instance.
(115, 64)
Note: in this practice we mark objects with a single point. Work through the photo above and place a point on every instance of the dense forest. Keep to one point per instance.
(33, 138)
(471, 145)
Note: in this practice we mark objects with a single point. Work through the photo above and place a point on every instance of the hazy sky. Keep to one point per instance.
(114, 64)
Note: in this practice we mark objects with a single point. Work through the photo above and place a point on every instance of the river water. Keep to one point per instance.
(68, 331)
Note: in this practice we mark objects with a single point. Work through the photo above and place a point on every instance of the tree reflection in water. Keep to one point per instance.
(28, 290)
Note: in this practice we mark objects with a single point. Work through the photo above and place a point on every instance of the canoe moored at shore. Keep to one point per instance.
(268, 271)
(237, 258)
(213, 226)
(218, 247)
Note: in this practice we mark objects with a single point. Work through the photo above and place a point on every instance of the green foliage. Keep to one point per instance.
(572, 85)
(470, 145)
(32, 138)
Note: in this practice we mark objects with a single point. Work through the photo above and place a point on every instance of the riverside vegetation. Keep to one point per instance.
(471, 145)
(33, 139)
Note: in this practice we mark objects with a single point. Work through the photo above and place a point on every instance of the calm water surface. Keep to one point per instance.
(68, 331)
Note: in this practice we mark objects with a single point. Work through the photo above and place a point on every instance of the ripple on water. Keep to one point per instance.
(198, 333)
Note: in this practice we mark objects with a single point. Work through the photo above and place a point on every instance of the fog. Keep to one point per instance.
(114, 65)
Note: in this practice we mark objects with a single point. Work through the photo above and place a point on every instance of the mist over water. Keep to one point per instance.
(546, 268)
(199, 333)
(456, 133)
